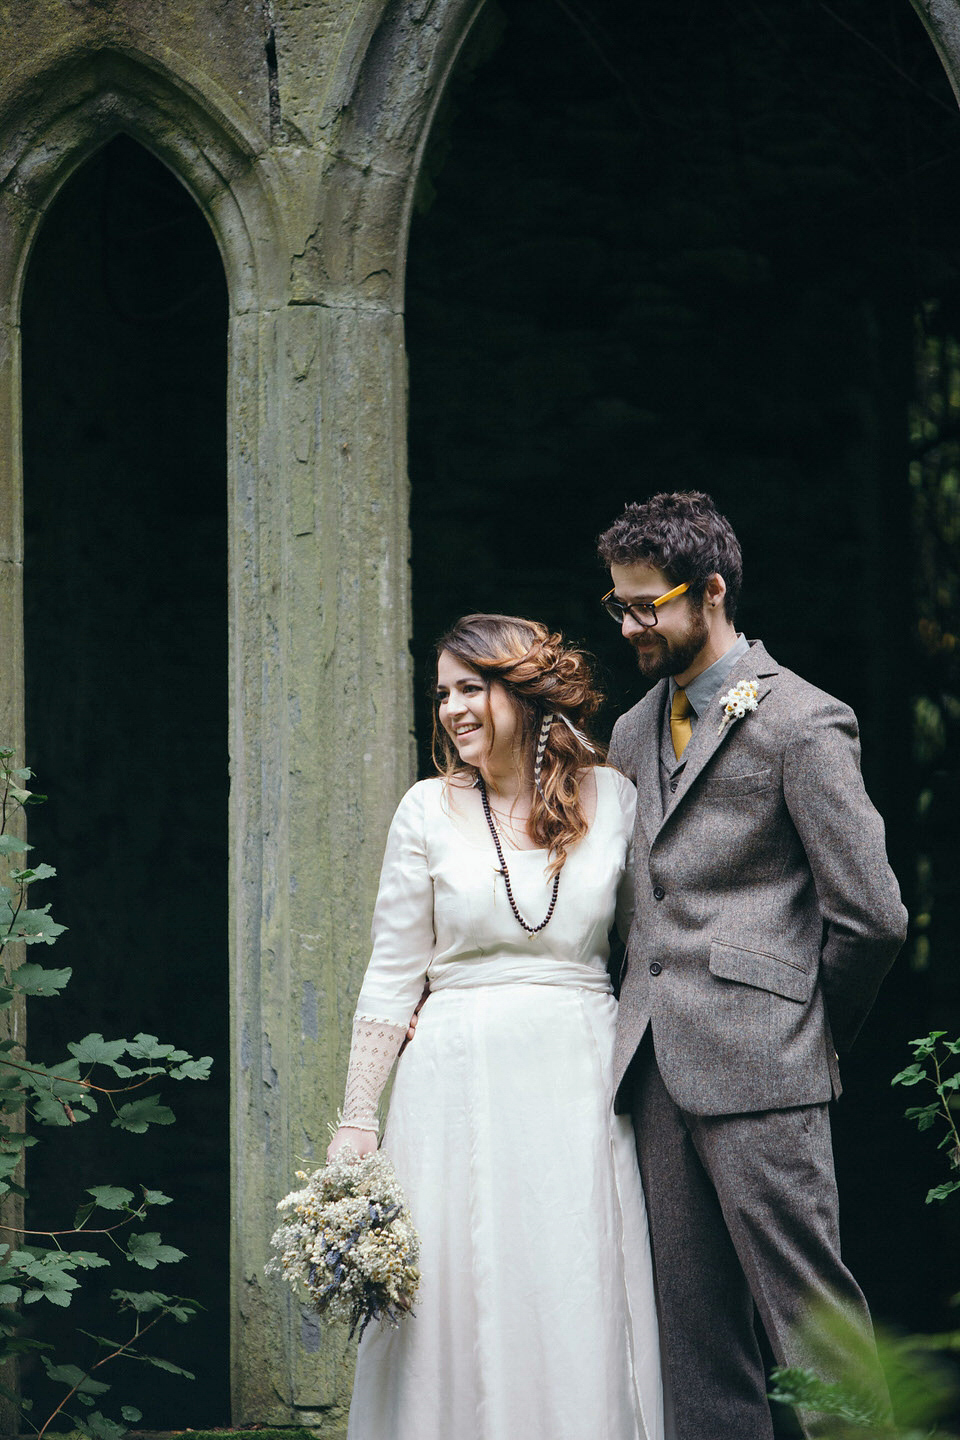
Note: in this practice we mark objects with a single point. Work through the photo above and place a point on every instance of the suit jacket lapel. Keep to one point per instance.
(708, 736)
(649, 797)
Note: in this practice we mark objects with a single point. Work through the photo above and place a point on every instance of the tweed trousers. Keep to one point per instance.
(743, 1212)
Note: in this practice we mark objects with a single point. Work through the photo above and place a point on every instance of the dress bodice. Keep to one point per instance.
(442, 911)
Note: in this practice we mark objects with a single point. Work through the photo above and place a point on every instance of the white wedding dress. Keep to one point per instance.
(536, 1314)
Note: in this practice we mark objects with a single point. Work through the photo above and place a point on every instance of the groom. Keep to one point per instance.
(767, 916)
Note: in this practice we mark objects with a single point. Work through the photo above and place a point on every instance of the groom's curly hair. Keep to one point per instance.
(684, 535)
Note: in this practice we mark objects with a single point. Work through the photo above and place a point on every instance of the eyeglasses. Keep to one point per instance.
(643, 612)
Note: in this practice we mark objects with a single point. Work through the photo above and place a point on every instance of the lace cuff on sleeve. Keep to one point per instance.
(374, 1047)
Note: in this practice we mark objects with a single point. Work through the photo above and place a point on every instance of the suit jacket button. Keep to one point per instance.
(655, 967)
(674, 784)
(658, 892)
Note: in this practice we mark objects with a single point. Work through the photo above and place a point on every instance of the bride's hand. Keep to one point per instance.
(364, 1142)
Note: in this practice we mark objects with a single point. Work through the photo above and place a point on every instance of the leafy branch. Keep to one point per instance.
(933, 1054)
(60, 1095)
(86, 1389)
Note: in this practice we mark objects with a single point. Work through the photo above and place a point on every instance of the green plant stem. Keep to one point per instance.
(138, 1334)
(17, 1230)
(86, 1084)
(945, 1110)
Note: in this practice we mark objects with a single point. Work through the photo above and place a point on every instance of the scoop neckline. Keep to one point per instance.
(535, 850)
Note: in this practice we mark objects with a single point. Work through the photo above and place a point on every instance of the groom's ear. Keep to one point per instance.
(714, 591)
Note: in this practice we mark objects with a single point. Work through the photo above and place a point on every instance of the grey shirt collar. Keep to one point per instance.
(706, 685)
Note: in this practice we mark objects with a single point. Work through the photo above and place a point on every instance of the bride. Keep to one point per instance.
(501, 879)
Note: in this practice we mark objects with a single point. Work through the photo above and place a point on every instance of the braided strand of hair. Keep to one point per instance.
(541, 747)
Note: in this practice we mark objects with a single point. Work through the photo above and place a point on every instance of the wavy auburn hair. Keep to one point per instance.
(540, 673)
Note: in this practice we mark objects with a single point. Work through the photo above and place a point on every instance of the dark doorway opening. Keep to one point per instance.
(125, 617)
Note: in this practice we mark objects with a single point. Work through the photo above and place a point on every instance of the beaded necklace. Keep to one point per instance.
(530, 929)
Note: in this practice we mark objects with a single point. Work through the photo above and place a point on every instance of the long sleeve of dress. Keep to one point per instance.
(403, 943)
(626, 890)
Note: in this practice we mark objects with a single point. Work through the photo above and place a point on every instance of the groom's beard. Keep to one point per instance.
(658, 657)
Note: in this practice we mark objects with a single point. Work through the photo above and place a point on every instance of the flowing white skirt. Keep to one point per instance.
(536, 1313)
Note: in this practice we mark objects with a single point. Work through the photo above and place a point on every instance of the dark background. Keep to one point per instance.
(657, 246)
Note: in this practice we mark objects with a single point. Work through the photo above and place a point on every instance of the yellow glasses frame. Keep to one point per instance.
(616, 609)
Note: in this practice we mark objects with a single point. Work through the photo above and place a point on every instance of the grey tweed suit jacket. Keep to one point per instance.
(766, 911)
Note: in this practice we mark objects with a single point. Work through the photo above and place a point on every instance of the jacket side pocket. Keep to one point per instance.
(761, 970)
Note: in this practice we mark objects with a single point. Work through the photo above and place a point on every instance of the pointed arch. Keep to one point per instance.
(71, 104)
(941, 20)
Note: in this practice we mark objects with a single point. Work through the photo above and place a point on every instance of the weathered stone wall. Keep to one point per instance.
(297, 127)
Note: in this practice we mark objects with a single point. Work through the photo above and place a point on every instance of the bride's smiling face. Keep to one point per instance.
(477, 714)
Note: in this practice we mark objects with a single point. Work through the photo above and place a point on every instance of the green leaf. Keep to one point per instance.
(166, 1365)
(911, 1076)
(104, 1341)
(926, 1045)
(56, 1297)
(138, 1114)
(940, 1192)
(94, 1050)
(131, 1413)
(98, 1427)
(48, 1270)
(146, 1250)
(72, 1375)
(110, 1197)
(143, 1301)
(148, 1047)
(35, 927)
(178, 1306)
(83, 1214)
(35, 980)
(193, 1069)
(9, 1294)
(925, 1115)
(49, 1111)
(156, 1197)
(88, 1259)
(37, 872)
(13, 845)
(806, 1390)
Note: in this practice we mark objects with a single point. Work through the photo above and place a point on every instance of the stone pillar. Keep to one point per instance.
(322, 559)
(323, 748)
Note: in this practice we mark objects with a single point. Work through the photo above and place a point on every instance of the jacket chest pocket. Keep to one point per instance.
(728, 787)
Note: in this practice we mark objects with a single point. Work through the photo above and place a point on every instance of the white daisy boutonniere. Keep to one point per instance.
(738, 701)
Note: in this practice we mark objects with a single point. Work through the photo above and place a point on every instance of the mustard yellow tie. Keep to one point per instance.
(680, 727)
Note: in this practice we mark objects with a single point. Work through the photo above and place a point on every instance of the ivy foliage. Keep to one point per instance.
(116, 1080)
